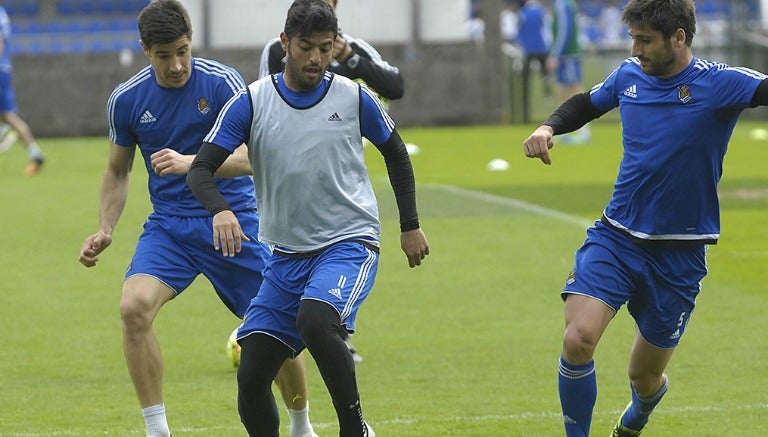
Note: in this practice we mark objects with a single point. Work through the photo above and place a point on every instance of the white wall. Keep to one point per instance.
(444, 20)
(251, 23)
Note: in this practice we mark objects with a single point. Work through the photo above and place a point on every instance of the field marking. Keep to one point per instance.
(515, 203)
(548, 415)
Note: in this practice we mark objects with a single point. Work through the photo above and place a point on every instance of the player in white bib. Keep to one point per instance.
(304, 130)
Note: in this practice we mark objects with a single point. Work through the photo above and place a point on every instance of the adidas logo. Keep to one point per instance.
(336, 292)
(631, 91)
(675, 335)
(334, 117)
(342, 279)
(147, 117)
(568, 421)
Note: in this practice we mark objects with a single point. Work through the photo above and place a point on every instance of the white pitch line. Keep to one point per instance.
(547, 415)
(515, 203)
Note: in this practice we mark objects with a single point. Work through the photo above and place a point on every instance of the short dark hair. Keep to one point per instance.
(665, 16)
(164, 21)
(306, 17)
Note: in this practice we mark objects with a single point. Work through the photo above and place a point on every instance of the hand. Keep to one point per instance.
(414, 244)
(227, 233)
(93, 246)
(169, 161)
(538, 144)
(341, 49)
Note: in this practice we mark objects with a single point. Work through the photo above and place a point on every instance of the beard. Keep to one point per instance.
(304, 78)
(663, 65)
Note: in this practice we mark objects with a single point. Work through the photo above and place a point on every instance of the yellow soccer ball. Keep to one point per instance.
(233, 349)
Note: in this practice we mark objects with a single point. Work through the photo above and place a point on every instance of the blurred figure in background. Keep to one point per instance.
(565, 59)
(8, 107)
(526, 23)
(613, 34)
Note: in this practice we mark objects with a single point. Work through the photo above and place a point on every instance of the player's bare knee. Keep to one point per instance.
(578, 345)
(135, 312)
(646, 383)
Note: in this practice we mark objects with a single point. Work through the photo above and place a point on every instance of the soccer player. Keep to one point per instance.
(565, 57)
(8, 106)
(649, 248)
(353, 58)
(166, 109)
(319, 214)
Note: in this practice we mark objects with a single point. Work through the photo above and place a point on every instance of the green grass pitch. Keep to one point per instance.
(466, 345)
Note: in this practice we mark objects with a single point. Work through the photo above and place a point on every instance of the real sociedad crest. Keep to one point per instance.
(203, 106)
(684, 94)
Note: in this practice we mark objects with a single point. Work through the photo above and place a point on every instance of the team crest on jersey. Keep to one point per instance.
(684, 94)
(571, 277)
(203, 106)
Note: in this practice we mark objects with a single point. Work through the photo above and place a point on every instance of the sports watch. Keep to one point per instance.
(353, 61)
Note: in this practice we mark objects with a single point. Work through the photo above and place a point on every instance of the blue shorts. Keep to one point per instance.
(7, 96)
(658, 281)
(176, 249)
(569, 70)
(341, 275)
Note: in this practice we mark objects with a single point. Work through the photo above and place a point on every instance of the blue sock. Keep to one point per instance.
(578, 392)
(638, 413)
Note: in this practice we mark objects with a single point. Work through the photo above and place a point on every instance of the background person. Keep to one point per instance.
(565, 59)
(527, 24)
(8, 106)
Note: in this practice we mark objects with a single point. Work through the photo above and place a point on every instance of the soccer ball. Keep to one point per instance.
(233, 349)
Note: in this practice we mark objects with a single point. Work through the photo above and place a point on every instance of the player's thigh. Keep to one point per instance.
(343, 277)
(159, 255)
(605, 268)
(274, 308)
(235, 279)
(671, 283)
(143, 296)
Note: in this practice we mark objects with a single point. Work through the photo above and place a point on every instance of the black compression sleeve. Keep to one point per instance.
(761, 95)
(573, 114)
(401, 177)
(201, 180)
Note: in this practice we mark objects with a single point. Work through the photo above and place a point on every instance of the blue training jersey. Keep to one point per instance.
(141, 112)
(675, 135)
(532, 32)
(5, 34)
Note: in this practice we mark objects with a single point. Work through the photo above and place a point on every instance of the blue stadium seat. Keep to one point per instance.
(24, 8)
